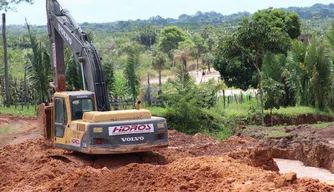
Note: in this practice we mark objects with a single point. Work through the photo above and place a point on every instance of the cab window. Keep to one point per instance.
(60, 117)
(79, 106)
(60, 111)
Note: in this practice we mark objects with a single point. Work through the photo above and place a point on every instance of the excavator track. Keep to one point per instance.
(110, 161)
(78, 159)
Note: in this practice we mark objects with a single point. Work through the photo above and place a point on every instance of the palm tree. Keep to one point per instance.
(130, 73)
(183, 53)
(208, 60)
(158, 63)
(321, 80)
(73, 74)
(39, 70)
(119, 90)
(330, 37)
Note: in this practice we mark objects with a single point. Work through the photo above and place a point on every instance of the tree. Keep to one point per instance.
(158, 63)
(277, 68)
(237, 70)
(130, 73)
(274, 93)
(208, 60)
(330, 37)
(188, 103)
(266, 32)
(119, 90)
(39, 70)
(109, 73)
(6, 4)
(73, 74)
(200, 47)
(146, 36)
(170, 37)
(321, 71)
(184, 52)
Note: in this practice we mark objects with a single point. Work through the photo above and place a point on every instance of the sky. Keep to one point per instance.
(97, 11)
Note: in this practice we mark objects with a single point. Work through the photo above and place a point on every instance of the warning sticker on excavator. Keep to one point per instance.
(75, 142)
(131, 129)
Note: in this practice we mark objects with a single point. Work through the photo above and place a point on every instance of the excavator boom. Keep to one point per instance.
(63, 28)
(81, 120)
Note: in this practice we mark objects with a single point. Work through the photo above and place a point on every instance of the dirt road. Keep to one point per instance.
(191, 163)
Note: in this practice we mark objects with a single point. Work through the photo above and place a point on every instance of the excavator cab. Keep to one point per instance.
(66, 107)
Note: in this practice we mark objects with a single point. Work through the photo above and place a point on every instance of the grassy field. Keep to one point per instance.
(231, 113)
(18, 111)
(231, 110)
(253, 106)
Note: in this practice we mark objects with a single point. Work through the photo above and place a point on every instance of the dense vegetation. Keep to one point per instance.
(286, 57)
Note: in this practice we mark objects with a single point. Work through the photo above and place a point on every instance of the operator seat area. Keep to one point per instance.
(78, 114)
(79, 106)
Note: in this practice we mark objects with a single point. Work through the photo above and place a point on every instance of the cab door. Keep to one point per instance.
(60, 119)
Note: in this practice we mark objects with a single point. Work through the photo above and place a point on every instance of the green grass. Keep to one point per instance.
(298, 110)
(279, 127)
(321, 125)
(18, 111)
(157, 111)
(8, 129)
(242, 110)
(278, 134)
(232, 110)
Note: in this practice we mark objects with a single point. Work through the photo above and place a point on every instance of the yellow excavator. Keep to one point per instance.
(81, 120)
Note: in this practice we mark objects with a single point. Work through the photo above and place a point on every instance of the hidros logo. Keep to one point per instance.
(131, 129)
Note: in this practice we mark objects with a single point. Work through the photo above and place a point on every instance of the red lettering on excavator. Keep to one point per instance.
(141, 127)
(131, 129)
(116, 129)
(126, 128)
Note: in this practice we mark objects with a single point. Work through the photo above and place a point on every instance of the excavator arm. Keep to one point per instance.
(63, 28)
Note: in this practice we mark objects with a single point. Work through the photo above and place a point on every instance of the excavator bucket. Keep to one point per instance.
(44, 120)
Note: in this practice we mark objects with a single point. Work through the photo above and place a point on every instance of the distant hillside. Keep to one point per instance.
(321, 14)
(317, 11)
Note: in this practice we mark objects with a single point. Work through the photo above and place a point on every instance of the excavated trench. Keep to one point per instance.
(301, 170)
(311, 145)
(311, 154)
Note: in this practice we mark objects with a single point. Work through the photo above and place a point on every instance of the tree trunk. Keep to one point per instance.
(116, 103)
(25, 84)
(271, 116)
(258, 73)
(149, 89)
(197, 65)
(160, 80)
(209, 67)
(224, 99)
(5, 59)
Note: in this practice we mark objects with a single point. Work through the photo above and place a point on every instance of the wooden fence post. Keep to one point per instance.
(148, 89)
(5, 58)
(224, 99)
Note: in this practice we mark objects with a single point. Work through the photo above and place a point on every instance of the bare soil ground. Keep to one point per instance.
(191, 163)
